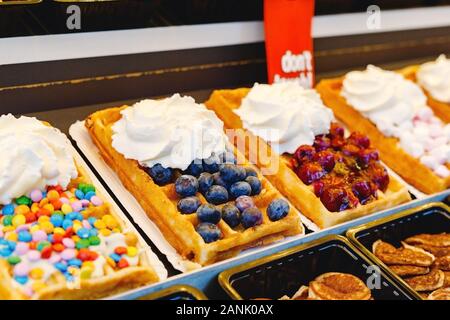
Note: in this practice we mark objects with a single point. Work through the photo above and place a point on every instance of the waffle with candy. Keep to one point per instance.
(418, 148)
(209, 212)
(423, 262)
(58, 238)
(335, 180)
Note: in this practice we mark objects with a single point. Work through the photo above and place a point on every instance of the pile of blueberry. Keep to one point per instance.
(219, 179)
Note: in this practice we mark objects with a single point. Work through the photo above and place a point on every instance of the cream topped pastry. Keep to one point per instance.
(285, 115)
(37, 156)
(398, 108)
(171, 132)
(434, 76)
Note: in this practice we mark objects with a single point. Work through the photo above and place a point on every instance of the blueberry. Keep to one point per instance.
(219, 181)
(231, 173)
(208, 213)
(277, 209)
(255, 184)
(186, 185)
(244, 202)
(240, 188)
(195, 168)
(160, 175)
(217, 195)
(231, 215)
(251, 217)
(250, 172)
(211, 164)
(188, 205)
(209, 232)
(205, 181)
(228, 157)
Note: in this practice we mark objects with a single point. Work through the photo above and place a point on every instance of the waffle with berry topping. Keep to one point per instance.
(441, 109)
(49, 251)
(295, 174)
(411, 169)
(194, 239)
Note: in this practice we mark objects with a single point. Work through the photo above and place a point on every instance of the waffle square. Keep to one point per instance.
(114, 280)
(160, 204)
(408, 167)
(285, 179)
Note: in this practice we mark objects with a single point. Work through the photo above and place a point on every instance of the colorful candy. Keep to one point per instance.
(44, 232)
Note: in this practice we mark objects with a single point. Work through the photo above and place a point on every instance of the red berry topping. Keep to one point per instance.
(379, 175)
(318, 187)
(367, 155)
(310, 172)
(326, 159)
(359, 140)
(304, 153)
(336, 130)
(337, 142)
(321, 143)
(350, 150)
(363, 189)
(337, 199)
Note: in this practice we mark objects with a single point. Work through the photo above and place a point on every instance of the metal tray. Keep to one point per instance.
(429, 218)
(283, 273)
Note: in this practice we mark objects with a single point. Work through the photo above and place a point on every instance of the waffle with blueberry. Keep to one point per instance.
(212, 211)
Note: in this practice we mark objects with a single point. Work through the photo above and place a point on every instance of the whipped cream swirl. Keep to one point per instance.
(398, 108)
(172, 132)
(33, 156)
(434, 76)
(285, 115)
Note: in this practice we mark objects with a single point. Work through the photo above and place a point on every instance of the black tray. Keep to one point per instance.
(283, 274)
(429, 218)
(178, 292)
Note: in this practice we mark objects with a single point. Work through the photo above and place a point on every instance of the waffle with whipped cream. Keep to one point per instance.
(434, 79)
(315, 171)
(58, 239)
(140, 144)
(394, 113)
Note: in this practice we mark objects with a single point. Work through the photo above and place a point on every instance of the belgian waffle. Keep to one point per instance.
(160, 204)
(285, 179)
(441, 109)
(113, 282)
(408, 167)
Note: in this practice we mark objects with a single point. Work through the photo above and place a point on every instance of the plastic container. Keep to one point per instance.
(284, 273)
(429, 218)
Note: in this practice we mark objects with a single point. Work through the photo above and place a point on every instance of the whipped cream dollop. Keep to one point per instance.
(285, 115)
(398, 108)
(33, 156)
(172, 132)
(434, 76)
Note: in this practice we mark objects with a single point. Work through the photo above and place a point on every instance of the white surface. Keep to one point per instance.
(81, 136)
(106, 43)
(154, 262)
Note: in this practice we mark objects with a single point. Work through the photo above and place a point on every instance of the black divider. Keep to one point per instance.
(284, 276)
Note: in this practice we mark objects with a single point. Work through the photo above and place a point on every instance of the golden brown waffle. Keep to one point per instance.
(408, 167)
(113, 282)
(160, 204)
(285, 179)
(441, 109)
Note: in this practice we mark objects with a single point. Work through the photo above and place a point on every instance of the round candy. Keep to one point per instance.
(8, 210)
(7, 220)
(82, 243)
(23, 280)
(23, 200)
(21, 269)
(55, 258)
(61, 266)
(64, 201)
(67, 223)
(36, 195)
(96, 201)
(68, 243)
(94, 241)
(24, 236)
(83, 233)
(57, 219)
(77, 206)
(68, 254)
(52, 195)
(39, 235)
(36, 273)
(12, 260)
(85, 202)
(21, 248)
(89, 195)
(132, 251)
(18, 220)
(66, 208)
(79, 194)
